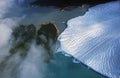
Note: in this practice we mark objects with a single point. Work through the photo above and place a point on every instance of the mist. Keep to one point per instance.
(13, 65)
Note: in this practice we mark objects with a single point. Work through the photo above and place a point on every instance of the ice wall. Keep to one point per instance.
(94, 39)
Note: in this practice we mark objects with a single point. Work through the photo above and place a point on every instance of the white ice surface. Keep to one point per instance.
(94, 39)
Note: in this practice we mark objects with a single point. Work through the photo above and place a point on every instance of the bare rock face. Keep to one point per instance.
(47, 36)
(49, 31)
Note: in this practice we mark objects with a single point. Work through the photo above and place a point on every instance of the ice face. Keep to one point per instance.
(94, 39)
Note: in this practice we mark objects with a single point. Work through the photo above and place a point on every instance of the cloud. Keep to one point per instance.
(7, 23)
(32, 66)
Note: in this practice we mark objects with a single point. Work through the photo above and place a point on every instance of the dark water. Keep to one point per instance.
(63, 67)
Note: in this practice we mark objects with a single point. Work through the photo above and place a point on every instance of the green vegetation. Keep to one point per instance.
(23, 35)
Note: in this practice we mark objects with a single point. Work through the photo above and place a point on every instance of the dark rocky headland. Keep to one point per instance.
(66, 3)
(23, 35)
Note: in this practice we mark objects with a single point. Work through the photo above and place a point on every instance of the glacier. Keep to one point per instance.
(94, 39)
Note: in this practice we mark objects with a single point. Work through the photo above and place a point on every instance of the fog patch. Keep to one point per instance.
(13, 65)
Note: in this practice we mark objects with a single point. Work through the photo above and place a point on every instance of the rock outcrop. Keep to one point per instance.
(23, 35)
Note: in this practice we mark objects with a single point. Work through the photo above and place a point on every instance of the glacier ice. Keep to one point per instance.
(94, 39)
